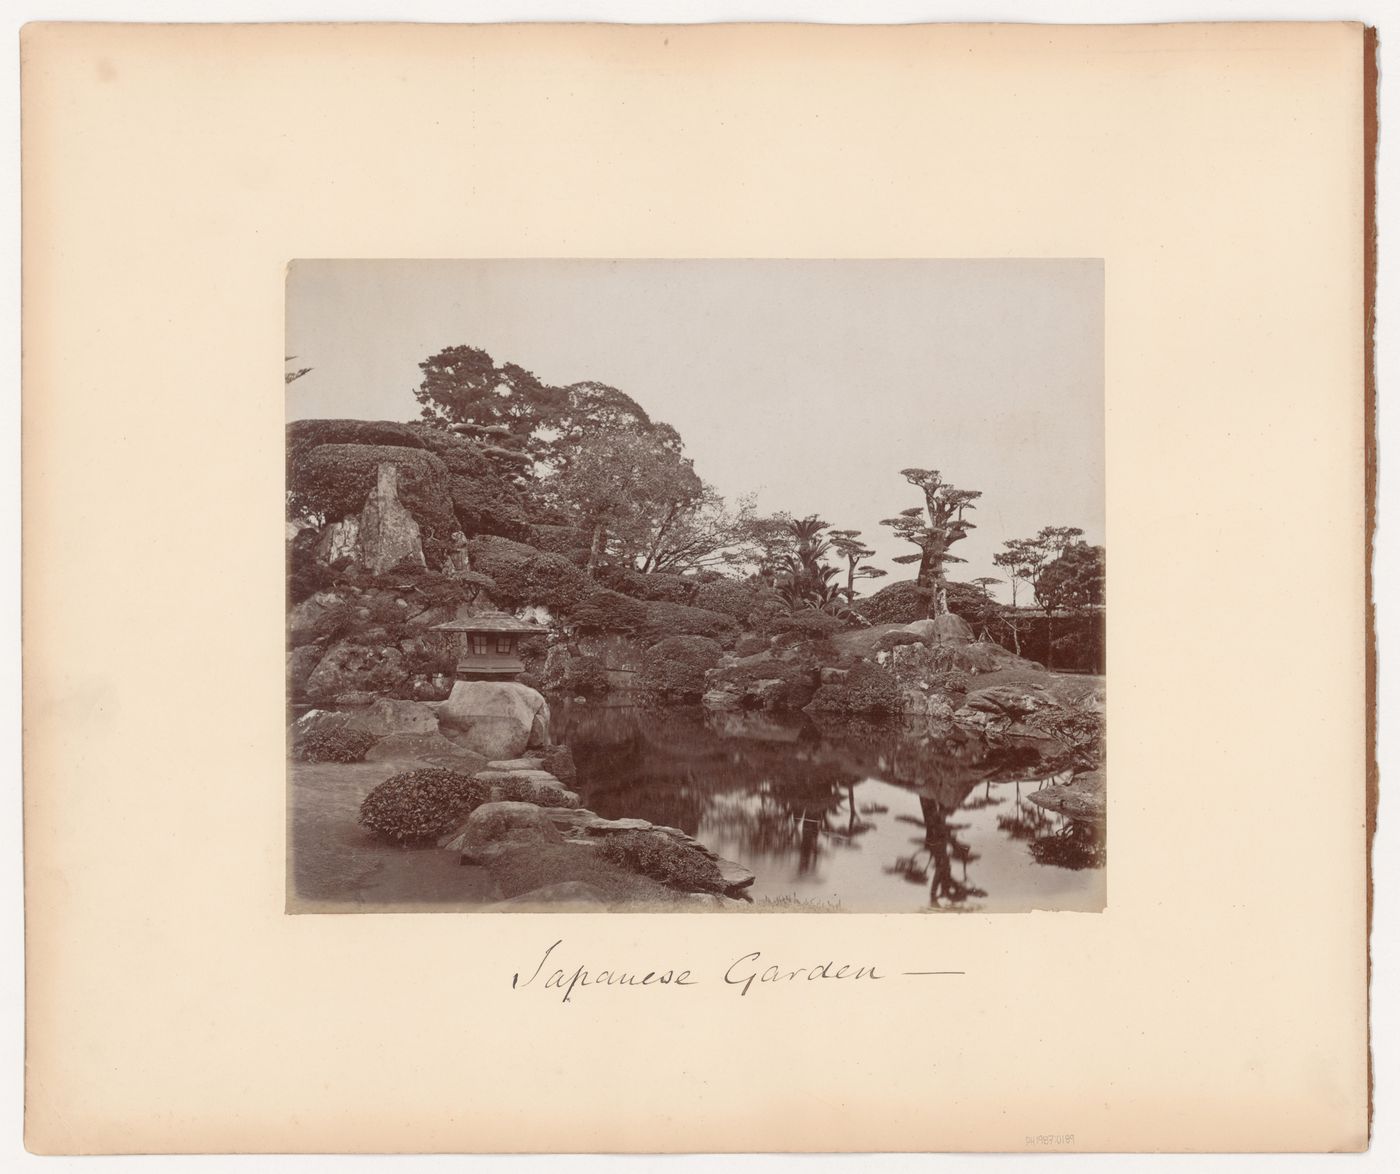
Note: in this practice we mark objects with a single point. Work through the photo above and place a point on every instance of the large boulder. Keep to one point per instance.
(494, 828)
(500, 719)
(388, 716)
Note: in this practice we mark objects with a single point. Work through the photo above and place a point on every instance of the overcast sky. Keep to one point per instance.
(810, 382)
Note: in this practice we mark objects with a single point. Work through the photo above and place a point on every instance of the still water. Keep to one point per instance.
(877, 817)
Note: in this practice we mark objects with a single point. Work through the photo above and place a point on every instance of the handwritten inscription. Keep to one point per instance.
(748, 972)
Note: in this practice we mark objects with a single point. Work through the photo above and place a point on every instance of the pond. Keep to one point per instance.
(870, 817)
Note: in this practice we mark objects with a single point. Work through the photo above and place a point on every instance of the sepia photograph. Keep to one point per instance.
(696, 586)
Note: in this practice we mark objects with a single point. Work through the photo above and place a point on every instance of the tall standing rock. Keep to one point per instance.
(388, 534)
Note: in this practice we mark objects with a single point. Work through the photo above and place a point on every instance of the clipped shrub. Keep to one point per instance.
(663, 859)
(506, 562)
(899, 603)
(867, 690)
(728, 597)
(422, 804)
(601, 610)
(304, 435)
(587, 675)
(334, 745)
(555, 582)
(676, 619)
(806, 625)
(484, 498)
(673, 669)
(658, 585)
(751, 644)
(572, 543)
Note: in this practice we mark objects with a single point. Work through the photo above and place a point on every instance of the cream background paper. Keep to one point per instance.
(170, 175)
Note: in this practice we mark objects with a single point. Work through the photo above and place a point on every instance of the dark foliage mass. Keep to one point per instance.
(868, 690)
(421, 805)
(899, 603)
(671, 863)
(673, 669)
(334, 746)
(573, 498)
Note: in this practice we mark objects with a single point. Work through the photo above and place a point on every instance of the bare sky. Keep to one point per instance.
(810, 382)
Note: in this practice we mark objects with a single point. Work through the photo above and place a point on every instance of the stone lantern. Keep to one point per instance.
(489, 649)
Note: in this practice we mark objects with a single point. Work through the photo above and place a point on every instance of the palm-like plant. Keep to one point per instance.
(805, 582)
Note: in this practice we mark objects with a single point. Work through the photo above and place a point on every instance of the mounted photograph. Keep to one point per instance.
(695, 586)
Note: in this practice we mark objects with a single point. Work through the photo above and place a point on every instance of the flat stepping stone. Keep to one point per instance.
(604, 826)
(502, 776)
(516, 764)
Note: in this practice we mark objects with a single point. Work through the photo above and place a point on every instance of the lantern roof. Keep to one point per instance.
(488, 622)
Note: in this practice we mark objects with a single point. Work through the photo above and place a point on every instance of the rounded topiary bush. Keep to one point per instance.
(334, 746)
(587, 675)
(867, 689)
(728, 597)
(673, 670)
(602, 610)
(421, 804)
(676, 619)
(899, 603)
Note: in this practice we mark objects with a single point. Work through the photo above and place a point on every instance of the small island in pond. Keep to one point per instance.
(536, 662)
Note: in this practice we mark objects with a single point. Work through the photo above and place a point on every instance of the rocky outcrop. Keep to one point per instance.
(500, 719)
(352, 667)
(1009, 710)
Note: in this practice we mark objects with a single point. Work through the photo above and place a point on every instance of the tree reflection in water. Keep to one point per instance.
(777, 786)
(939, 848)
